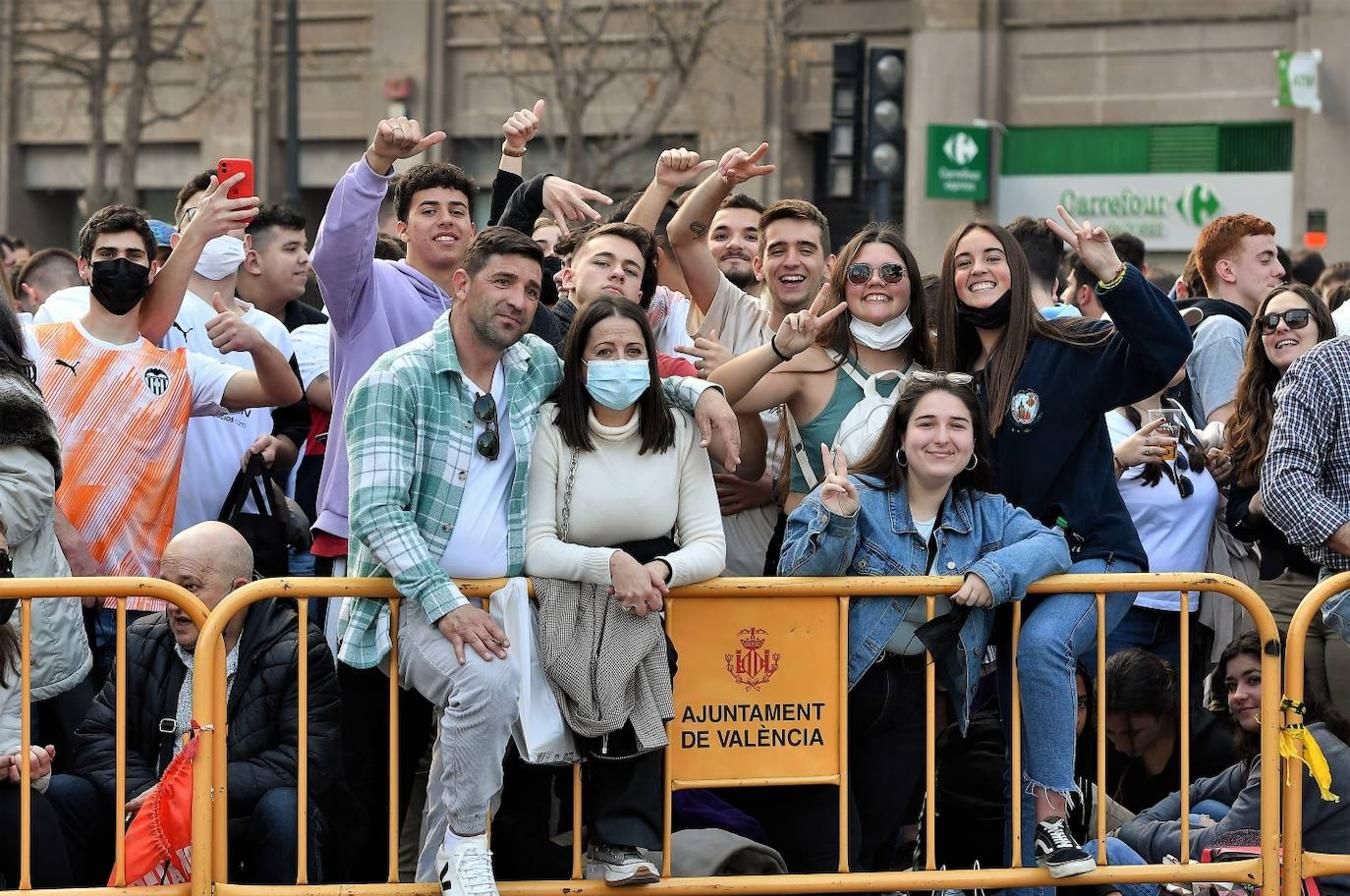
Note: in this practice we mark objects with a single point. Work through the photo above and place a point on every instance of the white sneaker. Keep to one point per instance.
(619, 866)
(466, 870)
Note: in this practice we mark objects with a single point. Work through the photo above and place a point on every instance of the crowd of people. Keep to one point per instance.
(617, 399)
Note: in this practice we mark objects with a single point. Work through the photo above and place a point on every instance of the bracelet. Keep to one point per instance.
(1120, 468)
(1114, 281)
(773, 344)
(513, 153)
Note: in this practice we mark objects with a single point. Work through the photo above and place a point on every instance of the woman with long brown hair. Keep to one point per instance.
(1290, 321)
(868, 319)
(1047, 386)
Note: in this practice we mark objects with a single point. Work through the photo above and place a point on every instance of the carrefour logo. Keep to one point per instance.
(1198, 204)
(960, 148)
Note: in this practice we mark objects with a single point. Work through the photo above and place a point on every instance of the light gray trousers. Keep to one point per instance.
(476, 705)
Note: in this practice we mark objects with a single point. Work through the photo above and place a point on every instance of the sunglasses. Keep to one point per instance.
(928, 377)
(488, 443)
(860, 272)
(1185, 487)
(1296, 318)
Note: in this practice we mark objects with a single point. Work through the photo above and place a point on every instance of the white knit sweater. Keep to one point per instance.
(619, 496)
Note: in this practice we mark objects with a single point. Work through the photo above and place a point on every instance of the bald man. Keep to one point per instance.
(210, 560)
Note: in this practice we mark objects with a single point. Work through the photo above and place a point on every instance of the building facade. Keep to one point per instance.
(1156, 113)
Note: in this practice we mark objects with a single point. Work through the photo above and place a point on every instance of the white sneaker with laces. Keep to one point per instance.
(466, 870)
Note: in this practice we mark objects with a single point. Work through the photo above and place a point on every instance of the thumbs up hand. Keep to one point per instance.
(227, 330)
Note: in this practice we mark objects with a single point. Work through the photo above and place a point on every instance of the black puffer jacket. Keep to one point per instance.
(261, 712)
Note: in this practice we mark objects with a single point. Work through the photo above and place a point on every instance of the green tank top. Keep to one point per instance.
(823, 428)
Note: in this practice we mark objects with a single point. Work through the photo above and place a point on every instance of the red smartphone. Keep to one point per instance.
(228, 168)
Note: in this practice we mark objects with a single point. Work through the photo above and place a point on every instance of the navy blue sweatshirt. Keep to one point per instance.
(1053, 453)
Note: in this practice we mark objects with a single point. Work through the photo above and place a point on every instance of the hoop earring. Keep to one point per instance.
(974, 462)
(900, 458)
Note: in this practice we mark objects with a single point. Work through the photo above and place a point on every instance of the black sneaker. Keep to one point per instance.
(1057, 852)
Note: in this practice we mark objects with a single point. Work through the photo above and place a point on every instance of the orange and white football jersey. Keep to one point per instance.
(122, 413)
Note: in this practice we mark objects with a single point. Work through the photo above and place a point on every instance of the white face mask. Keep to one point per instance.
(221, 258)
(882, 337)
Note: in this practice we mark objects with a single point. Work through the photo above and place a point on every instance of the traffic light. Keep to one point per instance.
(846, 119)
(885, 125)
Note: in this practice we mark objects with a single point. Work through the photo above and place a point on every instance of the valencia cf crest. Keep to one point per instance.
(753, 664)
(156, 380)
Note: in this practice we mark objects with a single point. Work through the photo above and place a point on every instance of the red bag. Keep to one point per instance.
(159, 840)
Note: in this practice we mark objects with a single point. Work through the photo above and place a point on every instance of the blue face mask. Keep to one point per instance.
(617, 384)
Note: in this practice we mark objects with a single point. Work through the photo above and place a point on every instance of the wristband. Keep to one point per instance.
(1120, 468)
(773, 344)
(1114, 281)
(512, 153)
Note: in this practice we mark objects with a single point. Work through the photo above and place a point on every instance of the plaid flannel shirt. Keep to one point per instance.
(1305, 479)
(410, 433)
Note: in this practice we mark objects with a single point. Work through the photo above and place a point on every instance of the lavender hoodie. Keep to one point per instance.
(374, 306)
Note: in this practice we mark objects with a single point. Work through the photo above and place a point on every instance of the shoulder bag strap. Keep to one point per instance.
(799, 449)
(567, 496)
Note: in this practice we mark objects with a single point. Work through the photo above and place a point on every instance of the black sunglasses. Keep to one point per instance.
(1185, 487)
(489, 443)
(1296, 318)
(860, 272)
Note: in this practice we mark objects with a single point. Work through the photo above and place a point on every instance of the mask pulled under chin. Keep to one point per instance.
(220, 258)
(882, 337)
(118, 284)
(990, 318)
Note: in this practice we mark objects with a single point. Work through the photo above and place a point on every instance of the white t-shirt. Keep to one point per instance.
(674, 329)
(477, 545)
(1342, 318)
(903, 640)
(742, 323)
(1175, 531)
(311, 351)
(71, 303)
(216, 445)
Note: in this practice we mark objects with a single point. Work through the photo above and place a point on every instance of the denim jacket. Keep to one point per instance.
(979, 533)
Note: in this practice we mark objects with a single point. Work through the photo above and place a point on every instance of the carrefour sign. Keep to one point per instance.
(1167, 211)
(958, 162)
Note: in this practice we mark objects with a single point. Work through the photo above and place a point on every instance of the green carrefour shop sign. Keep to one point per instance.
(1162, 183)
(958, 162)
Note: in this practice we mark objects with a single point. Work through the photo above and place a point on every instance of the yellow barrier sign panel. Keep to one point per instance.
(757, 692)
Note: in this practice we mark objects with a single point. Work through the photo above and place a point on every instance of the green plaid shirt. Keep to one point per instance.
(410, 432)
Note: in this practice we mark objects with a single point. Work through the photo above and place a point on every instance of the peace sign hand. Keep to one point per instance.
(737, 166)
(799, 330)
(1093, 244)
(837, 493)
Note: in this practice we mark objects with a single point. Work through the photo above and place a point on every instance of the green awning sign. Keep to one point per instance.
(958, 162)
(1298, 79)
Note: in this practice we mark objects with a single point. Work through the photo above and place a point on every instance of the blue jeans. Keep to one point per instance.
(1149, 629)
(1117, 853)
(1057, 629)
(1336, 611)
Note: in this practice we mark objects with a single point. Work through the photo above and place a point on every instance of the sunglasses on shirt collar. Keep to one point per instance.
(488, 443)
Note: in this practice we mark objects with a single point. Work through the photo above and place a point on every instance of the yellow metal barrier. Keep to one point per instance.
(210, 828)
(28, 590)
(1299, 864)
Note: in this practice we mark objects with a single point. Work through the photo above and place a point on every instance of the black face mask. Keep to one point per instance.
(991, 318)
(119, 284)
